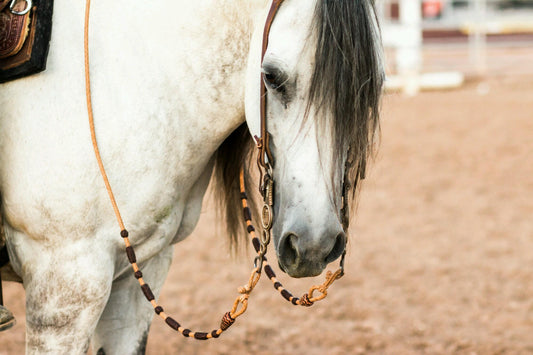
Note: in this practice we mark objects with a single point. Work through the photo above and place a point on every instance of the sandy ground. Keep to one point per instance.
(441, 254)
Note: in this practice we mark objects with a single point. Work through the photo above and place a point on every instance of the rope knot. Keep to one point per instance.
(252, 282)
(245, 289)
(227, 321)
(305, 301)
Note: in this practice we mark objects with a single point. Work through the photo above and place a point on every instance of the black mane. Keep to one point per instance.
(347, 81)
(345, 92)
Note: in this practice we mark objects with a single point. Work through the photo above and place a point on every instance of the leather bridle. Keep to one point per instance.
(265, 162)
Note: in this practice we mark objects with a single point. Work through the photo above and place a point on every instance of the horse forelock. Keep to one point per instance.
(347, 80)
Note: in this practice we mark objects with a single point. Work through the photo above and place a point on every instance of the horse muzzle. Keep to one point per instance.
(300, 255)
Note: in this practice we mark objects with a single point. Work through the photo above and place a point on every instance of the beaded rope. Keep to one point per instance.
(227, 320)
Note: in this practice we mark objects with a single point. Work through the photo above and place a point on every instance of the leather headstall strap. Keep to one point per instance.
(265, 160)
(263, 142)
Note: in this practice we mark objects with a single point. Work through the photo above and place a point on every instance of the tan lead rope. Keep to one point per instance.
(91, 118)
(240, 304)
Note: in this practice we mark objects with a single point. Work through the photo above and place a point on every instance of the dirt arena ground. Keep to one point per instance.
(440, 259)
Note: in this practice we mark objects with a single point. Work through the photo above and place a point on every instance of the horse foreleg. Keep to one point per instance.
(123, 327)
(66, 292)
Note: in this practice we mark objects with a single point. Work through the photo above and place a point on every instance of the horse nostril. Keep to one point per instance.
(288, 249)
(338, 248)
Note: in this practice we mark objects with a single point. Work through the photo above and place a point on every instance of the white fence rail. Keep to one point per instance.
(403, 24)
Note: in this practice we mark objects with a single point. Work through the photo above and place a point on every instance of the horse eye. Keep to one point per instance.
(275, 80)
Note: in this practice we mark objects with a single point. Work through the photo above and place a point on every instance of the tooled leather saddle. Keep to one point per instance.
(25, 31)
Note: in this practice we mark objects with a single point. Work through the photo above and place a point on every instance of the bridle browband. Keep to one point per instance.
(265, 163)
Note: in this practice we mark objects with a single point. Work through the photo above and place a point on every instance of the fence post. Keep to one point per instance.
(409, 53)
(478, 36)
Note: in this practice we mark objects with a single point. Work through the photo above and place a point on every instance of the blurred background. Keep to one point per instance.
(440, 258)
(435, 44)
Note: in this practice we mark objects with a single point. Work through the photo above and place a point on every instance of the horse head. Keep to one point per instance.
(323, 76)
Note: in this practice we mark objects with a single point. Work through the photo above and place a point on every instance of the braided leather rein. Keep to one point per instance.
(264, 160)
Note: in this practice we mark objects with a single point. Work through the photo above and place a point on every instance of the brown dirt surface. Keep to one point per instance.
(440, 259)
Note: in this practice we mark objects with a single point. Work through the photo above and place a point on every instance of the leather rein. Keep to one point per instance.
(265, 162)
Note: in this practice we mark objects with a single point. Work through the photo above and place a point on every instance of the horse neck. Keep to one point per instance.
(192, 53)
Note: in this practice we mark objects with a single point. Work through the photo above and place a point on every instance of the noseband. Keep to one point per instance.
(265, 164)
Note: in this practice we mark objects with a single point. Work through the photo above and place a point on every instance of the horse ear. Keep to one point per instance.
(252, 103)
(254, 79)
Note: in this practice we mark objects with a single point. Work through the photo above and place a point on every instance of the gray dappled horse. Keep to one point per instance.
(176, 88)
